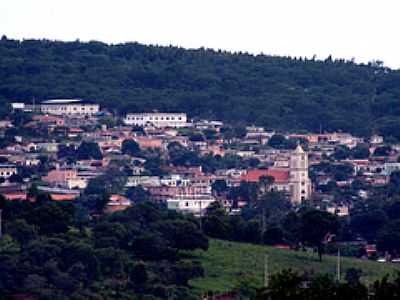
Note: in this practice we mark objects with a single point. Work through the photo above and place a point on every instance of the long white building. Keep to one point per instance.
(158, 120)
(61, 107)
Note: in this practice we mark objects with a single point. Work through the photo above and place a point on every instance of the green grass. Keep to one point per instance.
(226, 262)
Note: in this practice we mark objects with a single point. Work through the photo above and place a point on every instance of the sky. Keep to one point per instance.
(363, 30)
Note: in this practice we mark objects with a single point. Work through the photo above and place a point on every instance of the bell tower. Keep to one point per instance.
(300, 183)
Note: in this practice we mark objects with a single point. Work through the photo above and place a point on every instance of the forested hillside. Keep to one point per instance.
(276, 92)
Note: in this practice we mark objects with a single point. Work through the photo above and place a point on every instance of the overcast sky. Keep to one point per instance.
(362, 29)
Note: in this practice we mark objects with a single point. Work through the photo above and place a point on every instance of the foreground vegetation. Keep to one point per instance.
(53, 250)
(228, 264)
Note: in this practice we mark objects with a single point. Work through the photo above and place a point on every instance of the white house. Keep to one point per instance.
(195, 205)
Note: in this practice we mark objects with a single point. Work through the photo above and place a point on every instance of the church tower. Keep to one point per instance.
(300, 183)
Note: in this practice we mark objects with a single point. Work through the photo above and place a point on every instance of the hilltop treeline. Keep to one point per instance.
(276, 92)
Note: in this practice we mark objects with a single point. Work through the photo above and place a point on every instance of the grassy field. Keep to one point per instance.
(227, 262)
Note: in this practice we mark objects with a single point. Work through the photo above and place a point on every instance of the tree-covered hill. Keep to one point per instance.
(276, 92)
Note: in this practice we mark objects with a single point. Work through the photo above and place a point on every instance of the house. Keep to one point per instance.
(148, 181)
(5, 124)
(194, 204)
(60, 177)
(376, 139)
(49, 119)
(60, 194)
(117, 203)
(14, 192)
(339, 210)
(390, 167)
(7, 170)
(148, 142)
(48, 147)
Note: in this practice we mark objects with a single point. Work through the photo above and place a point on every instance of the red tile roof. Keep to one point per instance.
(280, 175)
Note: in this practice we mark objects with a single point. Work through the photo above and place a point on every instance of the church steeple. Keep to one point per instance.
(300, 184)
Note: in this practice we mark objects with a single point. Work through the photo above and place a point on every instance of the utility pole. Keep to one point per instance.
(1, 221)
(2, 204)
(34, 104)
(263, 226)
(266, 271)
(338, 266)
(201, 216)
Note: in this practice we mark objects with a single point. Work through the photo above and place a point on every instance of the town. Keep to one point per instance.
(74, 150)
(60, 146)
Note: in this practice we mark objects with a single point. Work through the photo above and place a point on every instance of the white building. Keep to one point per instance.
(195, 205)
(61, 107)
(7, 170)
(300, 183)
(158, 120)
(74, 107)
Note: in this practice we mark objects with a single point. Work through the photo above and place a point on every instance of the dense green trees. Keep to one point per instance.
(130, 147)
(276, 92)
(135, 254)
(88, 150)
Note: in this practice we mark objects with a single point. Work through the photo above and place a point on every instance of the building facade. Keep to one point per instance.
(159, 120)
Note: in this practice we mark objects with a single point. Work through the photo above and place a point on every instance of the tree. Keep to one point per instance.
(369, 223)
(89, 150)
(139, 274)
(342, 152)
(2, 205)
(130, 147)
(383, 151)
(283, 285)
(315, 226)
(361, 151)
(273, 236)
(277, 141)
(219, 186)
(138, 194)
(389, 238)
(266, 182)
(21, 231)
